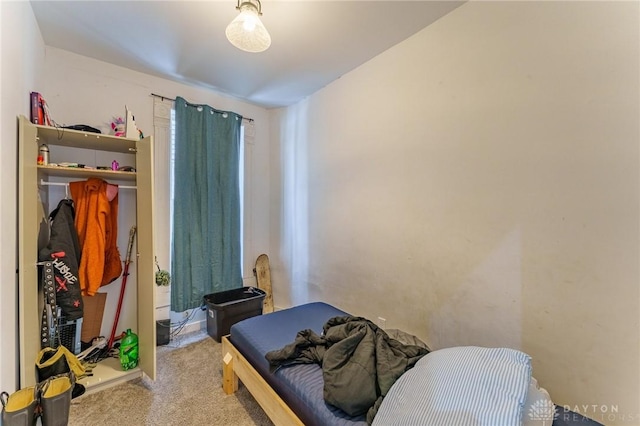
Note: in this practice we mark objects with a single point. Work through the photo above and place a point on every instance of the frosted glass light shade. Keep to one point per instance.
(246, 31)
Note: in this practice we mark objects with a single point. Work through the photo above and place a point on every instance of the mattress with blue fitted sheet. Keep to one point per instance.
(301, 386)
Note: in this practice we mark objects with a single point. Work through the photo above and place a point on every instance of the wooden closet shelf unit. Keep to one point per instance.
(34, 203)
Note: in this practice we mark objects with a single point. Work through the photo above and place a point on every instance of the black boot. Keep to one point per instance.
(51, 362)
(55, 400)
(19, 408)
(54, 362)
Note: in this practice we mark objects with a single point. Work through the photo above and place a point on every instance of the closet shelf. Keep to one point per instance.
(87, 140)
(81, 173)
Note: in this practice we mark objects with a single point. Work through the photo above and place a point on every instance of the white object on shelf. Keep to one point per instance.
(131, 130)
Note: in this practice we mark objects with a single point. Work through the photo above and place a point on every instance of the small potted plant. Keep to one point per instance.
(162, 277)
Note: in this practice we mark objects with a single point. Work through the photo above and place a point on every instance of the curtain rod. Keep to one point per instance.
(250, 120)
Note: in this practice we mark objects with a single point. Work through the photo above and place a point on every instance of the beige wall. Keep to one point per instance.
(478, 184)
(21, 58)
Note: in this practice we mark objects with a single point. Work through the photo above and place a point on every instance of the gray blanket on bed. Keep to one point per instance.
(359, 362)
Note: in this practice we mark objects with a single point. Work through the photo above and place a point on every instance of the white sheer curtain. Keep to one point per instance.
(162, 128)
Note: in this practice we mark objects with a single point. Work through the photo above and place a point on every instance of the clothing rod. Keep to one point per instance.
(45, 183)
(250, 120)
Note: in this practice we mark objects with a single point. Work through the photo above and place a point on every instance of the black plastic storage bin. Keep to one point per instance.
(226, 308)
(163, 332)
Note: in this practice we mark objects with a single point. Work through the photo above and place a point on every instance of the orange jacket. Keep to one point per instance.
(97, 226)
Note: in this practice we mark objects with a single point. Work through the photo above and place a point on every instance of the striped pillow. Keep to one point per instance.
(460, 386)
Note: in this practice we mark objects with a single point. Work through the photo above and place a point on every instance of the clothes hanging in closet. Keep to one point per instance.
(97, 226)
(63, 250)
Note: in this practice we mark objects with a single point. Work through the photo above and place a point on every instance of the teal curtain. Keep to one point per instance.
(205, 253)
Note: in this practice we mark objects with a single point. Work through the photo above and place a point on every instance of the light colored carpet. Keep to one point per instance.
(187, 391)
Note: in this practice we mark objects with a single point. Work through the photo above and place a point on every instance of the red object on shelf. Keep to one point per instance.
(125, 274)
(37, 108)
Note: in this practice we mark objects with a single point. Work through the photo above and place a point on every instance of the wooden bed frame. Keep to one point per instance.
(235, 366)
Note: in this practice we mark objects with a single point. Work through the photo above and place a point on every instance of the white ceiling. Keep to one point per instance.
(313, 42)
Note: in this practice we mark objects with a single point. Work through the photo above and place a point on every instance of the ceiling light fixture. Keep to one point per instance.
(247, 32)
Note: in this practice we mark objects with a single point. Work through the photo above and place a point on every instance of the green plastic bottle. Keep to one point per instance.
(129, 350)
